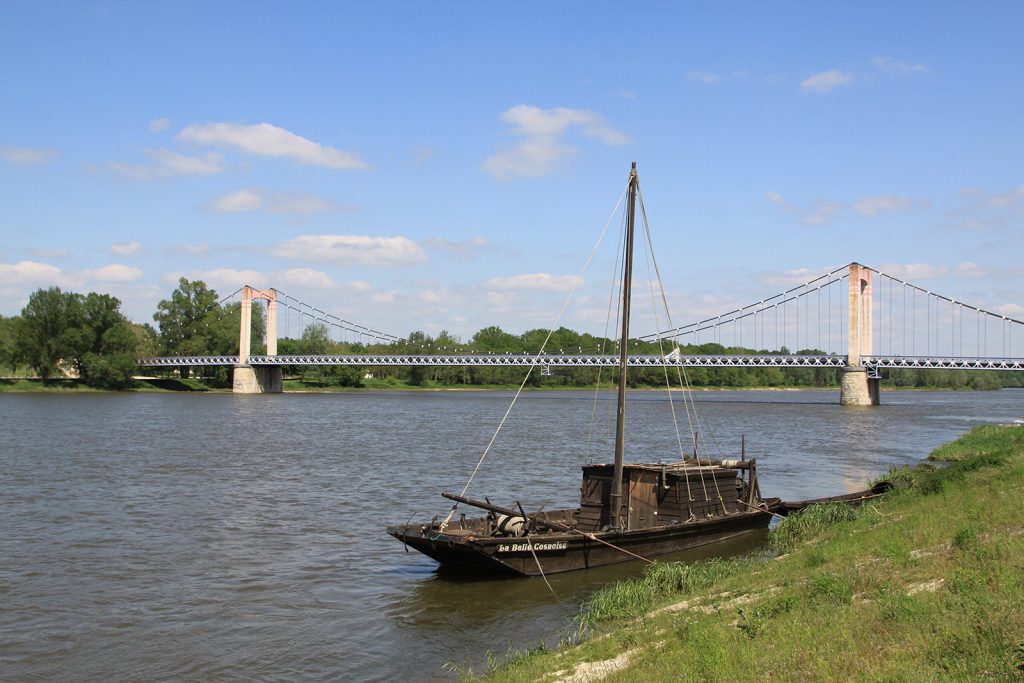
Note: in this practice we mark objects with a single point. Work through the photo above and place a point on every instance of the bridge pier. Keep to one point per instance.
(857, 389)
(261, 379)
(256, 379)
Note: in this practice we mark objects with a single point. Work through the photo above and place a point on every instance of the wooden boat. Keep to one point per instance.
(788, 507)
(626, 511)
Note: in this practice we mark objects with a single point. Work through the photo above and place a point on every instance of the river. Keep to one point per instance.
(223, 537)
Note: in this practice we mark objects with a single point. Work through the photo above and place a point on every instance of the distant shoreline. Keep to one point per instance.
(26, 385)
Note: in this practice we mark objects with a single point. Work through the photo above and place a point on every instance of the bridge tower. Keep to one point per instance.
(261, 379)
(857, 388)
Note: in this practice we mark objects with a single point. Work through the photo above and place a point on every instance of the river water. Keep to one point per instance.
(222, 537)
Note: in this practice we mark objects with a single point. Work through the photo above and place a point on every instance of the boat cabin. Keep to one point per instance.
(655, 495)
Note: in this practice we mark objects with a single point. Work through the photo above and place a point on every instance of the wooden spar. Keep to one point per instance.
(754, 507)
(542, 522)
(508, 511)
(620, 416)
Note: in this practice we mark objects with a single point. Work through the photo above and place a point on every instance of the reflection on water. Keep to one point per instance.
(237, 537)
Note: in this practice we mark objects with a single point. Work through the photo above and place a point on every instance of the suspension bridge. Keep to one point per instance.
(854, 318)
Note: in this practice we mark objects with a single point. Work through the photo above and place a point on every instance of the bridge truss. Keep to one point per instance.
(526, 360)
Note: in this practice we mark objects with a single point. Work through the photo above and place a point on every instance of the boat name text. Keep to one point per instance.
(523, 547)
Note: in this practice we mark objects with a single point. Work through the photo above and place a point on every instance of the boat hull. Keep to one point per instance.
(560, 552)
(788, 507)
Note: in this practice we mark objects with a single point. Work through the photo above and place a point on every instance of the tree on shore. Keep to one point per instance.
(8, 352)
(40, 336)
(87, 333)
(193, 323)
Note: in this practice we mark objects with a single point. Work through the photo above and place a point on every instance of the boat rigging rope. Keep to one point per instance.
(536, 359)
(541, 569)
(687, 394)
(648, 253)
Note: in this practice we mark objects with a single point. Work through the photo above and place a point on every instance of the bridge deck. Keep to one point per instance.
(525, 360)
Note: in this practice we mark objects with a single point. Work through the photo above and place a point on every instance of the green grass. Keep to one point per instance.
(925, 583)
(65, 386)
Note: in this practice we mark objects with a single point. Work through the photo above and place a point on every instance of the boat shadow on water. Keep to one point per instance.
(452, 595)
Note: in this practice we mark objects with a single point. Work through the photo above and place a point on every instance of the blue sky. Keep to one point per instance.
(429, 166)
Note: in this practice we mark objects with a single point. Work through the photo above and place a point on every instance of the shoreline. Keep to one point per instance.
(30, 385)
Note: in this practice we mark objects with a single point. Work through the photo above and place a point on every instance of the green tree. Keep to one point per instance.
(221, 329)
(104, 343)
(8, 350)
(146, 343)
(494, 340)
(41, 338)
(183, 319)
(316, 339)
(193, 323)
(87, 332)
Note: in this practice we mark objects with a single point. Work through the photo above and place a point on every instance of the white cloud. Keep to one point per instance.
(159, 125)
(786, 279)
(306, 277)
(29, 273)
(264, 139)
(199, 250)
(972, 270)
(872, 206)
(242, 200)
(914, 272)
(367, 292)
(821, 214)
(1007, 198)
(256, 199)
(823, 210)
(826, 81)
(1010, 310)
(168, 163)
(442, 296)
(115, 272)
(533, 121)
(462, 248)
(172, 163)
(985, 210)
(778, 200)
(536, 281)
(225, 280)
(126, 248)
(423, 154)
(896, 66)
(133, 171)
(26, 155)
(352, 250)
(703, 77)
(540, 150)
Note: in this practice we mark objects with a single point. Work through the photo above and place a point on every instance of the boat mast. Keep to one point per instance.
(620, 418)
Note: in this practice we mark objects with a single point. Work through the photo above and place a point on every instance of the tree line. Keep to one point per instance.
(61, 334)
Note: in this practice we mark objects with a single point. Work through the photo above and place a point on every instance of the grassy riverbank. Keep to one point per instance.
(925, 583)
(67, 386)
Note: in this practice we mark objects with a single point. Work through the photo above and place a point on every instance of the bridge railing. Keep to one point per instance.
(509, 360)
